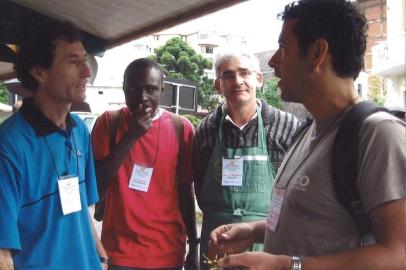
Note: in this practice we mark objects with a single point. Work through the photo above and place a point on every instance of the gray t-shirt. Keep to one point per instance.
(312, 221)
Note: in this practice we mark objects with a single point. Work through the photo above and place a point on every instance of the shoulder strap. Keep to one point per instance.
(113, 124)
(178, 127)
(303, 127)
(345, 163)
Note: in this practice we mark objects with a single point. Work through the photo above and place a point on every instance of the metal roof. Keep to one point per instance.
(105, 23)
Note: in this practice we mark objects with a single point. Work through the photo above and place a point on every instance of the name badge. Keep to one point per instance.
(278, 195)
(140, 178)
(69, 194)
(232, 172)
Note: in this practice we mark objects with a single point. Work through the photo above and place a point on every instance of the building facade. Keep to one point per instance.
(384, 73)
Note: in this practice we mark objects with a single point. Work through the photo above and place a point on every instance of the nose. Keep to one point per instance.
(85, 71)
(144, 95)
(273, 61)
(239, 79)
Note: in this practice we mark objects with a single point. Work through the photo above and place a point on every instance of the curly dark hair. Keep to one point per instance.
(337, 21)
(36, 48)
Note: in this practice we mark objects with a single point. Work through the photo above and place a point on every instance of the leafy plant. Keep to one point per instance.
(180, 61)
(376, 91)
(193, 119)
(270, 93)
(4, 94)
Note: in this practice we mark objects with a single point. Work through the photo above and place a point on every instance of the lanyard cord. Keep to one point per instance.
(157, 147)
(293, 150)
(53, 159)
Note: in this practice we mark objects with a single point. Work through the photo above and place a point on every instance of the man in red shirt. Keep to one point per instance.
(146, 166)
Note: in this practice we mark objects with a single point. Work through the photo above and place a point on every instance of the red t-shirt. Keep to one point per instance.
(145, 229)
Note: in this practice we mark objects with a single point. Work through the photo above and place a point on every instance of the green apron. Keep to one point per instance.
(233, 204)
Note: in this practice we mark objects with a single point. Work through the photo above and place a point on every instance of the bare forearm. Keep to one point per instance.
(375, 257)
(6, 260)
(258, 229)
(388, 253)
(107, 169)
(99, 246)
(187, 209)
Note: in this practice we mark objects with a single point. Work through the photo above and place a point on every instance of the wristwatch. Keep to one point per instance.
(296, 263)
(105, 260)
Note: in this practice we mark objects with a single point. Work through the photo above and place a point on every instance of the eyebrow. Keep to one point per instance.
(239, 69)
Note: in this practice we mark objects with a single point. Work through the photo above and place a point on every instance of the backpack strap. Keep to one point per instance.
(304, 125)
(178, 127)
(345, 163)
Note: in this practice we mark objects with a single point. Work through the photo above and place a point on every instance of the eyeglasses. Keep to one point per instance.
(230, 75)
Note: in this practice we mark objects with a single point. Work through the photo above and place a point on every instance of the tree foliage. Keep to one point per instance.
(270, 94)
(376, 92)
(4, 94)
(207, 95)
(180, 61)
(193, 119)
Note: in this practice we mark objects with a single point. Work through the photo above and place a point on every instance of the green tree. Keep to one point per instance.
(376, 92)
(4, 94)
(270, 94)
(180, 61)
(193, 119)
(207, 95)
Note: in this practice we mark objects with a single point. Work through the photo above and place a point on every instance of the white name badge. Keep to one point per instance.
(69, 194)
(140, 178)
(232, 172)
(278, 195)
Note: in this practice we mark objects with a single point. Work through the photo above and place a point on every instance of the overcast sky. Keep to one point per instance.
(254, 19)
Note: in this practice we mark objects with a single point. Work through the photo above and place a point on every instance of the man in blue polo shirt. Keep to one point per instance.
(47, 176)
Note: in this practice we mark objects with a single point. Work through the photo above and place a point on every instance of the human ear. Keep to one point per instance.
(260, 79)
(318, 53)
(162, 88)
(38, 73)
(218, 86)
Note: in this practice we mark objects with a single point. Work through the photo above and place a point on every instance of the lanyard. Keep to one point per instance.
(53, 159)
(292, 151)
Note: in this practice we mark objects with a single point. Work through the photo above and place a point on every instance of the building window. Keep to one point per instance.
(209, 49)
(156, 37)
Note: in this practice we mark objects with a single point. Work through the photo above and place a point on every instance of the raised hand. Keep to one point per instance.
(140, 121)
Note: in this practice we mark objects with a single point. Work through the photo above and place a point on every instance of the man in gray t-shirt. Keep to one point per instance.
(322, 44)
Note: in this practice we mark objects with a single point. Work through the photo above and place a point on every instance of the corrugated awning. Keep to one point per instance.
(105, 23)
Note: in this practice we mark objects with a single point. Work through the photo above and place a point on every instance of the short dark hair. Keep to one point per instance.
(143, 63)
(337, 21)
(37, 46)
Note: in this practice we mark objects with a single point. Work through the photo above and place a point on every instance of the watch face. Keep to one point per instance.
(296, 263)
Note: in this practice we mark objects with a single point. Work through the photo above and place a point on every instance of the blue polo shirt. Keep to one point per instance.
(34, 153)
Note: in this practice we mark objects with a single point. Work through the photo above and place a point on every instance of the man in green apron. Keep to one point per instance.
(238, 148)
